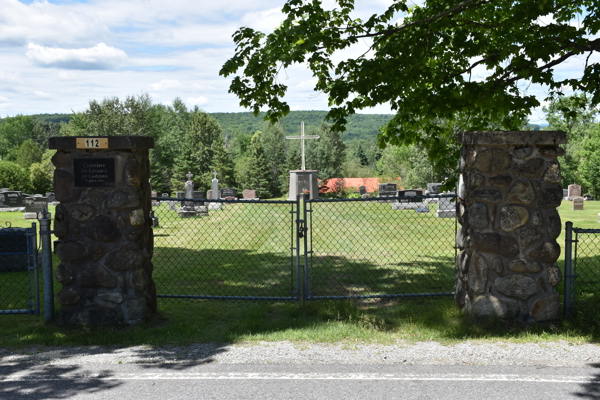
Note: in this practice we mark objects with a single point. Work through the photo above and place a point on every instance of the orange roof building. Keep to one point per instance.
(329, 185)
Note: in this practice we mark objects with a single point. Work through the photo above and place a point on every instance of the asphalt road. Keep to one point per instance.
(283, 370)
(284, 381)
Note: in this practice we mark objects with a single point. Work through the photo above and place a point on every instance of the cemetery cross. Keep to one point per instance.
(302, 137)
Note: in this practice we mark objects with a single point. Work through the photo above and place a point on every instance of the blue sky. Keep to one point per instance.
(57, 55)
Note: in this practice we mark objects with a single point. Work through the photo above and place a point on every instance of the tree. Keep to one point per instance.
(41, 174)
(13, 132)
(426, 66)
(28, 154)
(272, 141)
(258, 169)
(327, 154)
(223, 163)
(197, 152)
(590, 165)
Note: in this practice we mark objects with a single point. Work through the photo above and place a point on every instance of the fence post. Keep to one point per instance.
(304, 232)
(568, 275)
(45, 238)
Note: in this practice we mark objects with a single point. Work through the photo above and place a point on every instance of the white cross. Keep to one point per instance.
(189, 176)
(302, 137)
(214, 174)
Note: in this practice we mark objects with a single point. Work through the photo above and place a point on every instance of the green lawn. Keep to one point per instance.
(357, 250)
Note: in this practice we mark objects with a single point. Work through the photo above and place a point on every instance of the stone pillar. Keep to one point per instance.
(508, 194)
(104, 229)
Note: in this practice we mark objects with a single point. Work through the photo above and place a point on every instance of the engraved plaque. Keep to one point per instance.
(91, 143)
(94, 172)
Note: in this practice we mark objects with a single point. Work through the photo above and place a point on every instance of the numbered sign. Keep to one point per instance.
(92, 143)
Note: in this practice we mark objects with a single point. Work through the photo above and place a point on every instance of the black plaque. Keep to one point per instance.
(94, 172)
(362, 190)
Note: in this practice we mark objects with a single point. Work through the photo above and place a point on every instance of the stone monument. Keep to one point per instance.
(215, 193)
(302, 180)
(187, 209)
(507, 198)
(104, 230)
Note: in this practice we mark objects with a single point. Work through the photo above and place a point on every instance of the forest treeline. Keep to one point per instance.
(249, 153)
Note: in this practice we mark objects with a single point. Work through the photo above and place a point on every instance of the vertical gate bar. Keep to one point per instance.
(568, 306)
(36, 276)
(304, 214)
(47, 266)
(298, 246)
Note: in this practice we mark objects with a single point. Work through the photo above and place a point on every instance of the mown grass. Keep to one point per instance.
(348, 321)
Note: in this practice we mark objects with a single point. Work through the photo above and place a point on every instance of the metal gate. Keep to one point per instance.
(581, 270)
(304, 249)
(19, 272)
(380, 247)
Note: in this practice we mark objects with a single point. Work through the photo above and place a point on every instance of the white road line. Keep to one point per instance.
(299, 376)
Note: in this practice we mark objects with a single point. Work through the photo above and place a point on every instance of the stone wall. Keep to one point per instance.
(507, 198)
(105, 234)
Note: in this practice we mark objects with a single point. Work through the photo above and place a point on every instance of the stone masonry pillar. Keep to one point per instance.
(104, 229)
(507, 198)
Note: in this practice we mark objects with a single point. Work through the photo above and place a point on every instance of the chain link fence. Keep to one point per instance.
(280, 250)
(19, 273)
(582, 269)
(224, 249)
(376, 247)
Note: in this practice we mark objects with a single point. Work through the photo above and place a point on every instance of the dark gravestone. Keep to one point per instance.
(13, 250)
(362, 190)
(410, 196)
(94, 172)
(434, 188)
(11, 199)
(35, 204)
(565, 192)
(387, 189)
(198, 194)
(228, 192)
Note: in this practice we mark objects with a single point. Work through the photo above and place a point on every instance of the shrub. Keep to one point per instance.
(14, 177)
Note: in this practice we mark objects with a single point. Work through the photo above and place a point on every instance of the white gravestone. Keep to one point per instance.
(214, 193)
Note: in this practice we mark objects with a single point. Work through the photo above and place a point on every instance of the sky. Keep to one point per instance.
(57, 55)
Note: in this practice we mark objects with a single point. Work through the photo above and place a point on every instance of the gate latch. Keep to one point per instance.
(301, 228)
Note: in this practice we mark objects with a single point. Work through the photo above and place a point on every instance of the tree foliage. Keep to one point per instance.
(425, 66)
(14, 177)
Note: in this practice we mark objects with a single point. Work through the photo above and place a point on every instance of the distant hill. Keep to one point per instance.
(360, 126)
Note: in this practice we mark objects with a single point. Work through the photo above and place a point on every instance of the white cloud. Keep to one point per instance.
(5, 105)
(264, 21)
(6, 77)
(197, 101)
(166, 84)
(47, 23)
(2, 98)
(100, 56)
(39, 93)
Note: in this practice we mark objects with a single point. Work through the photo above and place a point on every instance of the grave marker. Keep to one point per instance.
(574, 191)
(577, 203)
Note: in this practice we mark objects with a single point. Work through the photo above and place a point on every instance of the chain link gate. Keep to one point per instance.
(19, 272)
(382, 247)
(309, 249)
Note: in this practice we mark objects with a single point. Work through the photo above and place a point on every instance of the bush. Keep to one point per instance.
(14, 177)
(41, 180)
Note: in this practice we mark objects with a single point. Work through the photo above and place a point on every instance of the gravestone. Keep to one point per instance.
(387, 189)
(565, 193)
(410, 201)
(362, 190)
(434, 188)
(51, 197)
(187, 209)
(104, 229)
(11, 199)
(598, 217)
(229, 192)
(215, 194)
(172, 205)
(574, 191)
(446, 208)
(199, 194)
(249, 194)
(209, 194)
(33, 205)
(577, 203)
(165, 195)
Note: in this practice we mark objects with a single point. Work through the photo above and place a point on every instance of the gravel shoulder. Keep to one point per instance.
(559, 354)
